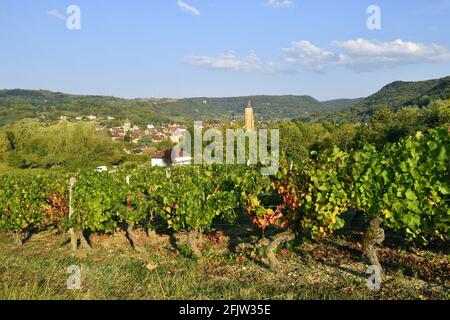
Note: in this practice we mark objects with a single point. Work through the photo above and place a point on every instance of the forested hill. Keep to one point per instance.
(394, 96)
(266, 107)
(19, 104)
(343, 103)
(401, 94)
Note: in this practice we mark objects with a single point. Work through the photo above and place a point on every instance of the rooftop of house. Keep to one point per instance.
(167, 154)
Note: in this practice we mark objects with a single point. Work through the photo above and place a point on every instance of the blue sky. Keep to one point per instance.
(172, 48)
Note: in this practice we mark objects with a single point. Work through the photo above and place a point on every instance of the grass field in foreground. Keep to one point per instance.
(332, 269)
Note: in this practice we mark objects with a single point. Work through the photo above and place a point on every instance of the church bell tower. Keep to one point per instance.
(249, 117)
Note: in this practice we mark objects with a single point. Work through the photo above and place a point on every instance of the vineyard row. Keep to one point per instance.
(407, 184)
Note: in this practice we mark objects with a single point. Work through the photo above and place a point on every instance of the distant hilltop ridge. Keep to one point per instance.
(399, 94)
(18, 104)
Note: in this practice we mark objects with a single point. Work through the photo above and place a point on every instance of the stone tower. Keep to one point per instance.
(249, 117)
(127, 126)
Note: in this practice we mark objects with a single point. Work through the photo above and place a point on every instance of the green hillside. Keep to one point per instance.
(343, 103)
(394, 96)
(19, 104)
(401, 94)
(266, 107)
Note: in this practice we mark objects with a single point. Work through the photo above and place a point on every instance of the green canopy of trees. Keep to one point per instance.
(31, 144)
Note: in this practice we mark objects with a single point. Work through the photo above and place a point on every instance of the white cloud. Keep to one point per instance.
(187, 8)
(307, 55)
(281, 3)
(359, 55)
(363, 55)
(54, 13)
(228, 61)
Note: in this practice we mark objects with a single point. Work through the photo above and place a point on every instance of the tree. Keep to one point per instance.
(292, 142)
(162, 145)
(4, 146)
(31, 144)
(128, 137)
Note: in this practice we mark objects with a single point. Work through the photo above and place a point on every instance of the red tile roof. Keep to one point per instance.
(167, 154)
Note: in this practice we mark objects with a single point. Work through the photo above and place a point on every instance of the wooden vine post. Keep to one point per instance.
(17, 237)
(194, 237)
(73, 237)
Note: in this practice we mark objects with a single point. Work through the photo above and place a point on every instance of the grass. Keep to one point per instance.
(114, 270)
(6, 169)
